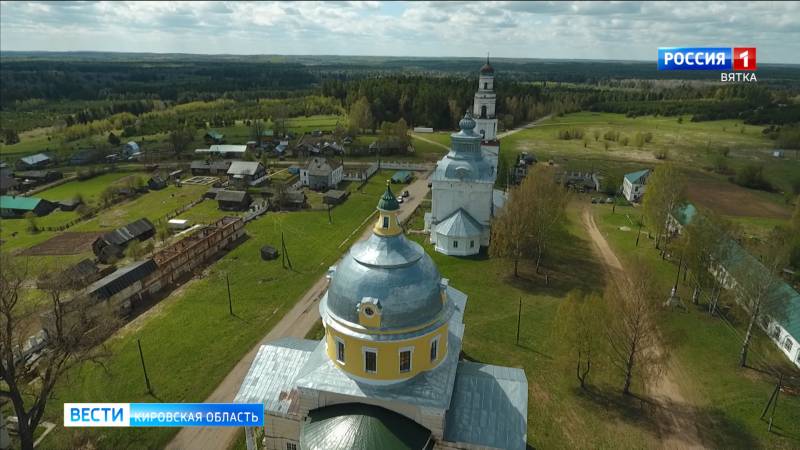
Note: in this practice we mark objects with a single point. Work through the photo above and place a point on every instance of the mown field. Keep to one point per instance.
(189, 339)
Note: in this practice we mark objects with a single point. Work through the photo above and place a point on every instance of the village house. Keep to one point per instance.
(334, 197)
(70, 204)
(7, 183)
(85, 156)
(130, 150)
(322, 173)
(388, 372)
(633, 185)
(216, 167)
(156, 183)
(32, 178)
(33, 162)
(16, 206)
(111, 245)
(224, 151)
(233, 200)
(247, 173)
(214, 137)
(780, 310)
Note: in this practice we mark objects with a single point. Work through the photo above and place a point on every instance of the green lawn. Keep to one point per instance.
(695, 144)
(559, 415)
(189, 339)
(706, 351)
(89, 189)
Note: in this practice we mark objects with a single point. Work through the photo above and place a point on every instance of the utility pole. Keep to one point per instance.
(144, 368)
(230, 302)
(285, 253)
(519, 318)
(330, 221)
(638, 234)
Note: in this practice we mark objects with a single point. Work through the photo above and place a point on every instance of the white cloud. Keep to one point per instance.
(618, 30)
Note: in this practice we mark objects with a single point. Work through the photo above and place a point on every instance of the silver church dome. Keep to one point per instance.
(393, 270)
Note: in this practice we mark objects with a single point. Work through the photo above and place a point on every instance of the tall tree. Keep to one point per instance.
(550, 201)
(257, 130)
(71, 335)
(666, 190)
(705, 242)
(630, 327)
(180, 139)
(361, 115)
(579, 329)
(756, 285)
(512, 228)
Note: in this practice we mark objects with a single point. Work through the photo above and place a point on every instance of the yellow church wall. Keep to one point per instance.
(392, 221)
(388, 354)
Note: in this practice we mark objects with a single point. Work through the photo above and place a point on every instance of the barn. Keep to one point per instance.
(111, 245)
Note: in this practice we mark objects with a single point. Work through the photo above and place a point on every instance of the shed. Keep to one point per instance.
(156, 183)
(402, 176)
(214, 137)
(233, 200)
(17, 206)
(7, 183)
(70, 205)
(200, 167)
(120, 279)
(36, 161)
(112, 244)
(268, 253)
(335, 197)
(178, 224)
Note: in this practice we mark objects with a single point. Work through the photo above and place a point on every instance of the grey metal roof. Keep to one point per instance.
(459, 224)
(465, 161)
(320, 166)
(271, 377)
(231, 196)
(489, 407)
(121, 279)
(394, 270)
(431, 389)
(129, 232)
(35, 159)
(244, 168)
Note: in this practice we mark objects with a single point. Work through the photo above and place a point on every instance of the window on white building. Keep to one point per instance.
(455, 244)
(340, 350)
(405, 360)
(787, 344)
(435, 348)
(486, 85)
(370, 361)
(291, 446)
(471, 244)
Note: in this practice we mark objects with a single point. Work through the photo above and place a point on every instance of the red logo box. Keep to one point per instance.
(744, 58)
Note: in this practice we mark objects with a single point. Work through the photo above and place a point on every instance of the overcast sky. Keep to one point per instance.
(586, 30)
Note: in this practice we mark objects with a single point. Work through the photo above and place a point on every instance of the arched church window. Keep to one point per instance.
(483, 111)
(486, 85)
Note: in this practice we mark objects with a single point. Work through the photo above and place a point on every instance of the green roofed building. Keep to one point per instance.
(388, 374)
(633, 185)
(402, 176)
(16, 206)
(780, 310)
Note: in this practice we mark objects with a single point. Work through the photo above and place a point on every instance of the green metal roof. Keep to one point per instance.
(356, 426)
(401, 176)
(634, 177)
(215, 135)
(16, 202)
(388, 201)
(685, 214)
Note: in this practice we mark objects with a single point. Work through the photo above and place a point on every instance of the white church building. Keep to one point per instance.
(463, 196)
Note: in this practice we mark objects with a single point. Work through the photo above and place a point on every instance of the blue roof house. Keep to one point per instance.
(633, 185)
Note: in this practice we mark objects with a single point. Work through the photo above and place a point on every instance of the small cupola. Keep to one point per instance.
(388, 208)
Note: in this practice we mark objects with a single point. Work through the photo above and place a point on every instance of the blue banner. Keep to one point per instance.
(695, 58)
(163, 414)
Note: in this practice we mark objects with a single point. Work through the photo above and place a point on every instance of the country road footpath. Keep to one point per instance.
(296, 323)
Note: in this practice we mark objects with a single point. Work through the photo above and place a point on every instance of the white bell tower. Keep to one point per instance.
(484, 106)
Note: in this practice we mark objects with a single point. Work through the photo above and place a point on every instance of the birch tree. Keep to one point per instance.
(631, 334)
(666, 190)
(512, 228)
(578, 327)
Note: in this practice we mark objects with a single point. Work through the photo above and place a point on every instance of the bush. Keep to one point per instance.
(624, 141)
(611, 135)
(661, 154)
(752, 176)
(570, 134)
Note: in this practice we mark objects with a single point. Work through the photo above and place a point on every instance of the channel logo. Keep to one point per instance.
(163, 414)
(707, 58)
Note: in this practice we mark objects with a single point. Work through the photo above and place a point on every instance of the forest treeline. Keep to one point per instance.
(70, 92)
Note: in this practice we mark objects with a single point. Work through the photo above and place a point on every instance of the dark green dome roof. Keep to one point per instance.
(388, 201)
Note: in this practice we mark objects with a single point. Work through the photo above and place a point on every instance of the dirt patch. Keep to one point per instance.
(731, 200)
(68, 243)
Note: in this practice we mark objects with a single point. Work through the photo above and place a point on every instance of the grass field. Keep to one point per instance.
(705, 350)
(694, 144)
(204, 341)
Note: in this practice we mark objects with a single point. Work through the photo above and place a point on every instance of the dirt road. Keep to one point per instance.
(296, 323)
(674, 414)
